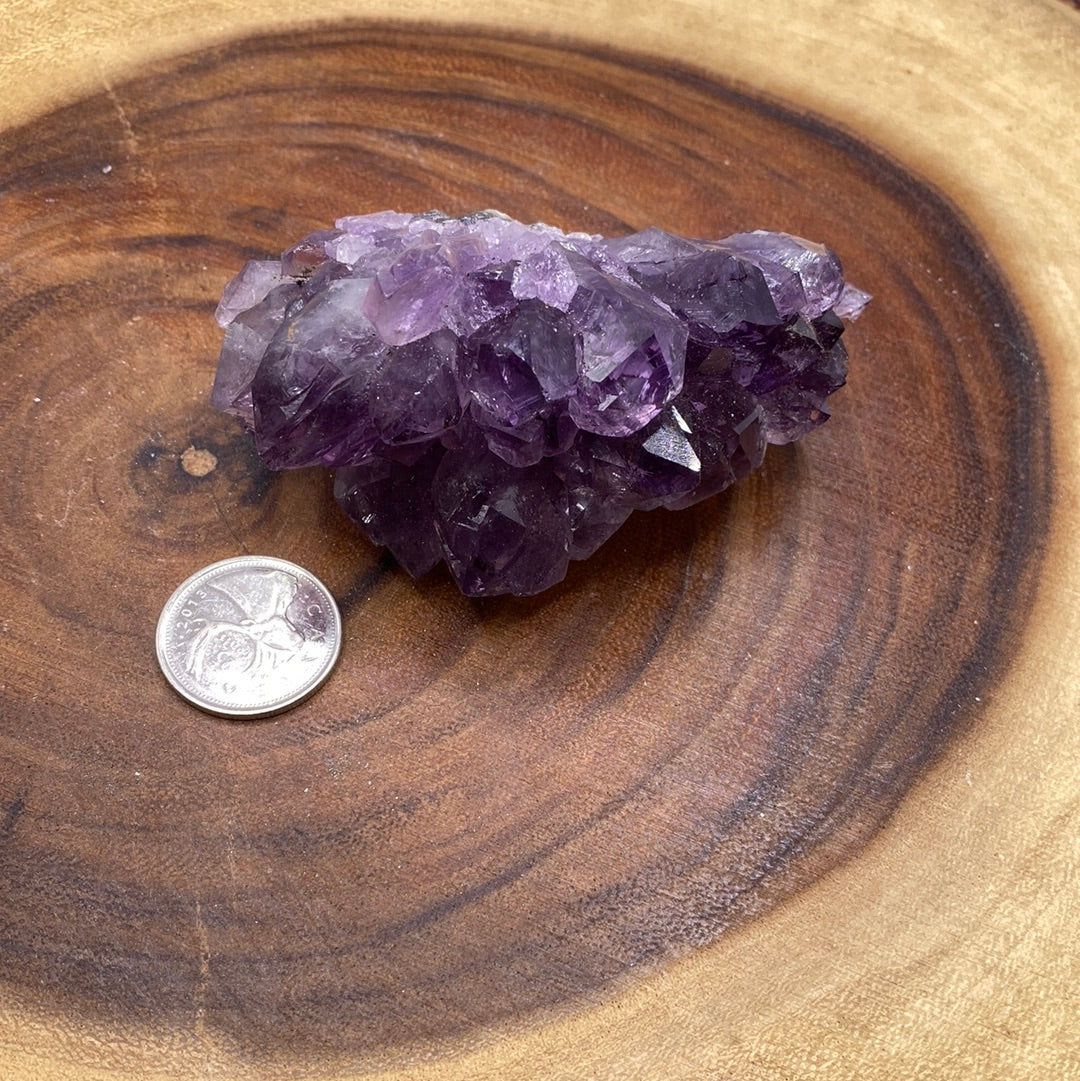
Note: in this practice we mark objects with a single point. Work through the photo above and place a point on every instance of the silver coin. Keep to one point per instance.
(248, 637)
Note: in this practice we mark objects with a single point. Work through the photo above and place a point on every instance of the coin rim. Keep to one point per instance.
(255, 712)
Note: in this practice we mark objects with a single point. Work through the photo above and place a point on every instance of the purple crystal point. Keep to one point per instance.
(632, 359)
(501, 524)
(501, 396)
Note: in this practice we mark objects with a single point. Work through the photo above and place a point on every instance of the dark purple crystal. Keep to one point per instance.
(502, 396)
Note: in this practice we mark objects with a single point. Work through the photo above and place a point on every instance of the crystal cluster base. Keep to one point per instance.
(503, 396)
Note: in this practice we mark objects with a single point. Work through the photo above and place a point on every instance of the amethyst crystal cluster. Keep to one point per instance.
(502, 396)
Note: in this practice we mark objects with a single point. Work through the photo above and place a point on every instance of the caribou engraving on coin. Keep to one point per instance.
(248, 636)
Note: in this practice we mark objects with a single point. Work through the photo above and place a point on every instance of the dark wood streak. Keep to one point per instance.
(500, 806)
(11, 817)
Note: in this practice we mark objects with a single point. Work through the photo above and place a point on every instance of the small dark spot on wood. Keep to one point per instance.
(11, 817)
(148, 455)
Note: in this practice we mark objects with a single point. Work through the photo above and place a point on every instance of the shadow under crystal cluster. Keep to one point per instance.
(502, 396)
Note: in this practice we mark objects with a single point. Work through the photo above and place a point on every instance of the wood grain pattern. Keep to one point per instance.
(493, 808)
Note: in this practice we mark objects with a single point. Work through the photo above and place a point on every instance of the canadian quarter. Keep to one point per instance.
(249, 637)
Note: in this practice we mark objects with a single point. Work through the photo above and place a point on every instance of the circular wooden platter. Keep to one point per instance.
(779, 786)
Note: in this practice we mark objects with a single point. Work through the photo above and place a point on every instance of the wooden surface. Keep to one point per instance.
(780, 786)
